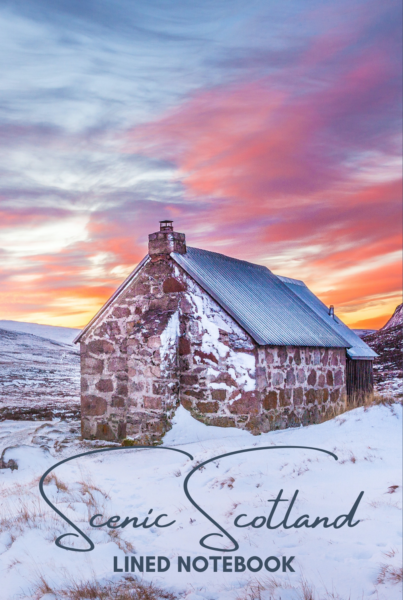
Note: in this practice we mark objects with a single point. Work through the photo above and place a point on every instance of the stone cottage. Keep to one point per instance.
(233, 343)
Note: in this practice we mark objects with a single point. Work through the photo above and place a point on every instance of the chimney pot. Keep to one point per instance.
(166, 225)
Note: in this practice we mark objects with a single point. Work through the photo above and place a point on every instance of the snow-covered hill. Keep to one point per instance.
(388, 344)
(396, 319)
(39, 375)
(65, 335)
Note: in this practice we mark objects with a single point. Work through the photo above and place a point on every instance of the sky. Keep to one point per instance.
(268, 131)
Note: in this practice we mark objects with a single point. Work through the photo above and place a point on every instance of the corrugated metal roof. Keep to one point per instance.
(114, 296)
(259, 301)
(359, 349)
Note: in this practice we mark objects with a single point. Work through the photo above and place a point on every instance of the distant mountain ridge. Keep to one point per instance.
(65, 335)
(388, 344)
(396, 319)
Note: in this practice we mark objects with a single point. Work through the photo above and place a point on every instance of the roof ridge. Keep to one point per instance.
(229, 258)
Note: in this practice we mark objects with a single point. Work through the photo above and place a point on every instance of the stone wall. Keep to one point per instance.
(129, 360)
(165, 341)
(227, 380)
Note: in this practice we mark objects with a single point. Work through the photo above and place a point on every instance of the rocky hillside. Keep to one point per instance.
(388, 343)
(39, 376)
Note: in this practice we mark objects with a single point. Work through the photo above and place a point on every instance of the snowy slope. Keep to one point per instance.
(396, 319)
(388, 344)
(39, 377)
(347, 563)
(65, 335)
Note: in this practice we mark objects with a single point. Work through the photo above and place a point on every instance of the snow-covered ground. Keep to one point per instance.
(346, 563)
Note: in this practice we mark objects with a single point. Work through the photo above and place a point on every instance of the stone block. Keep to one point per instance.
(298, 396)
(282, 355)
(270, 400)
(321, 380)
(261, 379)
(277, 378)
(310, 416)
(93, 406)
(219, 395)
(248, 403)
(290, 377)
(187, 403)
(104, 385)
(100, 347)
(104, 432)
(92, 366)
(312, 378)
(121, 312)
(324, 359)
(224, 378)
(338, 377)
(184, 346)
(172, 285)
(310, 396)
(121, 430)
(207, 407)
(153, 402)
(301, 375)
(285, 397)
(205, 357)
(198, 394)
(118, 401)
(269, 357)
(257, 424)
(189, 379)
(293, 420)
(222, 421)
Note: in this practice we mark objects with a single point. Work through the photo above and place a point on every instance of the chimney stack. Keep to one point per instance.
(166, 240)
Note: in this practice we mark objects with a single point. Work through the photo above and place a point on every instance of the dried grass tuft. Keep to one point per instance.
(129, 588)
(390, 574)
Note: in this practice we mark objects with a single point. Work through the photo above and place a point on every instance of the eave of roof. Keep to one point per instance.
(358, 350)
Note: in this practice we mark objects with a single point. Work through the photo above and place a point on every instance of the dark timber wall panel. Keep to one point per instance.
(359, 377)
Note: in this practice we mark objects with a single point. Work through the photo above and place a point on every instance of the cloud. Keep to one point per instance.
(283, 162)
(276, 142)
